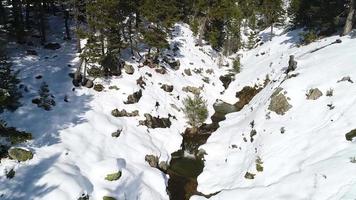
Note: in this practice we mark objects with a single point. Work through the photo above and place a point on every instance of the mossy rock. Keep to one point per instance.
(20, 154)
(108, 198)
(350, 135)
(98, 87)
(259, 167)
(114, 176)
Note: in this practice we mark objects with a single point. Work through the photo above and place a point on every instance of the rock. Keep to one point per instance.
(31, 52)
(245, 96)
(187, 72)
(114, 176)
(174, 64)
(155, 122)
(114, 87)
(10, 174)
(39, 77)
(152, 160)
(52, 46)
(88, 83)
(226, 80)
(108, 198)
(249, 175)
(20, 154)
(314, 94)
(141, 82)
(161, 70)
(346, 78)
(167, 88)
(117, 133)
(191, 89)
(163, 166)
(279, 103)
(134, 98)
(338, 41)
(98, 87)
(350, 135)
(129, 69)
(292, 65)
(124, 113)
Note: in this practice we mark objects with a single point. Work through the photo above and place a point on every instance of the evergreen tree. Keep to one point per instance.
(195, 110)
(9, 93)
(273, 12)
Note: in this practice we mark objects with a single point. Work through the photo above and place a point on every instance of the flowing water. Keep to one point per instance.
(187, 163)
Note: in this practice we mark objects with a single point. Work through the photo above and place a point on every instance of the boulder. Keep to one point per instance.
(134, 98)
(52, 46)
(161, 70)
(117, 133)
(167, 88)
(129, 69)
(345, 78)
(279, 103)
(155, 122)
(245, 96)
(31, 52)
(249, 175)
(314, 94)
(292, 64)
(98, 87)
(226, 80)
(192, 89)
(124, 113)
(20, 154)
(187, 72)
(141, 82)
(152, 160)
(114, 176)
(108, 198)
(163, 166)
(350, 135)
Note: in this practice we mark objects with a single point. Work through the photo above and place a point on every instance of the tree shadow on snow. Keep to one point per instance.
(25, 183)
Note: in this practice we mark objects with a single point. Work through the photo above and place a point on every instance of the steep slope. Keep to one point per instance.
(304, 153)
(73, 146)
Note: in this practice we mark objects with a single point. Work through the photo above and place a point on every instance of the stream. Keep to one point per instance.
(187, 163)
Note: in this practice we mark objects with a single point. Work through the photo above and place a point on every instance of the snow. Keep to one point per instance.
(73, 147)
(311, 160)
(74, 150)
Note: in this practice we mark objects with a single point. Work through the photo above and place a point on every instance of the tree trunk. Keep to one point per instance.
(271, 32)
(27, 13)
(17, 15)
(42, 23)
(349, 19)
(66, 18)
(77, 25)
(3, 15)
(201, 31)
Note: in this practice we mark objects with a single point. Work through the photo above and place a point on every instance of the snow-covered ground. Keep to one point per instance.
(73, 146)
(74, 149)
(311, 159)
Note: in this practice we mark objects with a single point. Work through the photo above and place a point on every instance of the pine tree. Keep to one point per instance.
(9, 92)
(272, 11)
(195, 110)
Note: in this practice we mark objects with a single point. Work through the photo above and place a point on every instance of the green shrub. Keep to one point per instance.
(308, 37)
(236, 65)
(195, 110)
